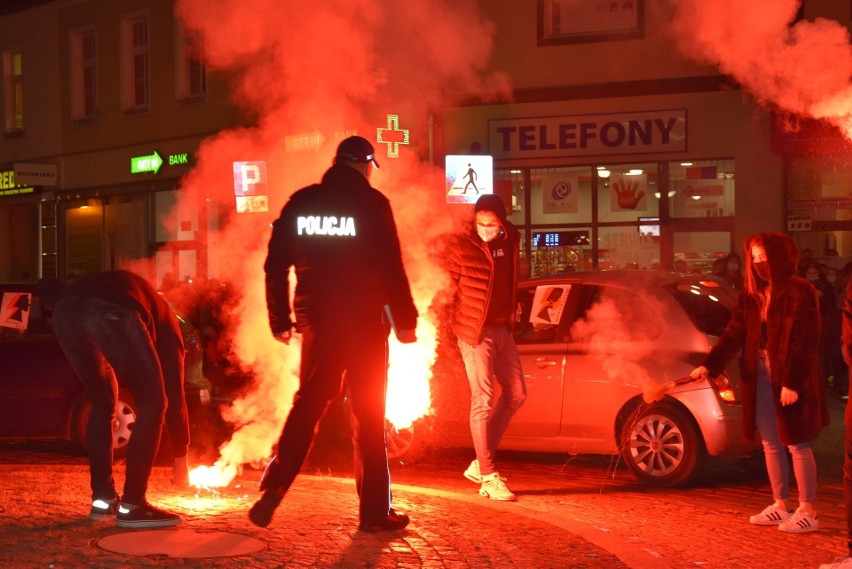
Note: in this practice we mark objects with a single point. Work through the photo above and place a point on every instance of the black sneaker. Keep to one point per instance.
(392, 522)
(103, 509)
(145, 516)
(261, 513)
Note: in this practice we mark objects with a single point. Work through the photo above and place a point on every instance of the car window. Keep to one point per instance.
(539, 312)
(22, 316)
(612, 314)
(707, 304)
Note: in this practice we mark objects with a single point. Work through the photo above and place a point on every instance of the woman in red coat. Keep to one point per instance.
(776, 324)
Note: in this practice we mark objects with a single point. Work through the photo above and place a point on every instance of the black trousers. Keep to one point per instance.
(330, 351)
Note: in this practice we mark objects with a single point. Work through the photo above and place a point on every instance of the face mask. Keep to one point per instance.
(762, 270)
(487, 234)
(811, 277)
(831, 278)
(733, 267)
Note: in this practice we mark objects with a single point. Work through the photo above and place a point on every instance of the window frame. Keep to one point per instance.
(549, 38)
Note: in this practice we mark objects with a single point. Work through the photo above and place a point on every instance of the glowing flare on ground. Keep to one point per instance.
(408, 396)
(208, 477)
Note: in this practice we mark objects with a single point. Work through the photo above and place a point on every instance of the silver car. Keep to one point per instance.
(606, 355)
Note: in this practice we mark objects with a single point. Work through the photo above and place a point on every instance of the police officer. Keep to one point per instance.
(341, 238)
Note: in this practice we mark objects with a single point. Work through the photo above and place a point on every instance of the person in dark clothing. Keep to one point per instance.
(351, 285)
(483, 265)
(110, 325)
(776, 326)
(846, 334)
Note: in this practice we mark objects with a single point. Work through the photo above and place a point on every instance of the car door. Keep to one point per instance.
(542, 350)
(37, 386)
(607, 343)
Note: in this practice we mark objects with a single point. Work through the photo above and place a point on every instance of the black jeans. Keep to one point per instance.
(102, 340)
(329, 350)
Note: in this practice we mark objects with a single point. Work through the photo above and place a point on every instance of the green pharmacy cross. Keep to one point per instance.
(392, 135)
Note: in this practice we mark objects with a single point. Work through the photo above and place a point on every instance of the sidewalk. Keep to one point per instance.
(584, 513)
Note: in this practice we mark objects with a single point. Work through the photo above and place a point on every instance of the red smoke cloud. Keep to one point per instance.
(803, 67)
(331, 69)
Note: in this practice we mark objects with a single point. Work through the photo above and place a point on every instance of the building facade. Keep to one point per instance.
(105, 103)
(614, 151)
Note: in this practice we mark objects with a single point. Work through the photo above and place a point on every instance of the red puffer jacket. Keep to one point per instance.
(471, 269)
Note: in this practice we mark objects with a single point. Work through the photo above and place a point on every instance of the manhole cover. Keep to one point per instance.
(181, 543)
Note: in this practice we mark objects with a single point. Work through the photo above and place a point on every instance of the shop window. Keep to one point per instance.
(569, 21)
(696, 251)
(560, 195)
(701, 188)
(13, 83)
(191, 69)
(627, 192)
(559, 250)
(135, 60)
(511, 182)
(629, 246)
(82, 53)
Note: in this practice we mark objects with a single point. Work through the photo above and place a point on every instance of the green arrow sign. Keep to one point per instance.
(150, 163)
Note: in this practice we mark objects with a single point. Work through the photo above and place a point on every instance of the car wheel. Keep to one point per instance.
(403, 444)
(662, 445)
(122, 425)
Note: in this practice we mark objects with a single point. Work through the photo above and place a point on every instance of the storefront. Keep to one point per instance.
(20, 222)
(670, 181)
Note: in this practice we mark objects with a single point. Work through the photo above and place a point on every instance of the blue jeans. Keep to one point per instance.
(777, 465)
(102, 340)
(494, 358)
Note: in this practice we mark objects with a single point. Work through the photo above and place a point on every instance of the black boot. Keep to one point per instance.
(392, 522)
(261, 513)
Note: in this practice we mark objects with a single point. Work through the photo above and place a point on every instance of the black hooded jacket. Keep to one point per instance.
(341, 238)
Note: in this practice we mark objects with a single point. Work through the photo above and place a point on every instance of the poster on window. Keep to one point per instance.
(629, 192)
(15, 310)
(548, 304)
(559, 194)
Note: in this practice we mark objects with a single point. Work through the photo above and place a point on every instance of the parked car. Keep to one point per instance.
(598, 350)
(42, 398)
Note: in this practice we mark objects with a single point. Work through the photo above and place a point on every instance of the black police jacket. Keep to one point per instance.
(341, 238)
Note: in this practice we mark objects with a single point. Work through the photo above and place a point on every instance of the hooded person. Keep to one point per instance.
(482, 262)
(776, 325)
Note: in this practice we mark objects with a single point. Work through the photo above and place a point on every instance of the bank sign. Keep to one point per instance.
(588, 135)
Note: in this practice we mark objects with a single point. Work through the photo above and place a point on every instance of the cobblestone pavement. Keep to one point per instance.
(583, 512)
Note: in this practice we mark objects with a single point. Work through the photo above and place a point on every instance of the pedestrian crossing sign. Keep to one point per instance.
(468, 177)
(15, 310)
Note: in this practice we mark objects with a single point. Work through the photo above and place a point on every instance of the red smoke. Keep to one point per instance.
(803, 67)
(330, 68)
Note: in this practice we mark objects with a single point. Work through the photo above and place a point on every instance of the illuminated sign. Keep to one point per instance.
(587, 135)
(250, 186)
(468, 177)
(561, 239)
(153, 162)
(305, 141)
(9, 185)
(392, 135)
(149, 163)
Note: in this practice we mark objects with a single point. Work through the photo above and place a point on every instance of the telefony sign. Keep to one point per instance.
(588, 135)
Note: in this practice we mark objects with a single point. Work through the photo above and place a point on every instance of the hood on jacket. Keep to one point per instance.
(781, 255)
(492, 203)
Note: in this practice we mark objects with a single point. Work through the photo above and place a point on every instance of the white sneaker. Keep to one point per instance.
(494, 487)
(844, 562)
(472, 472)
(800, 522)
(770, 516)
